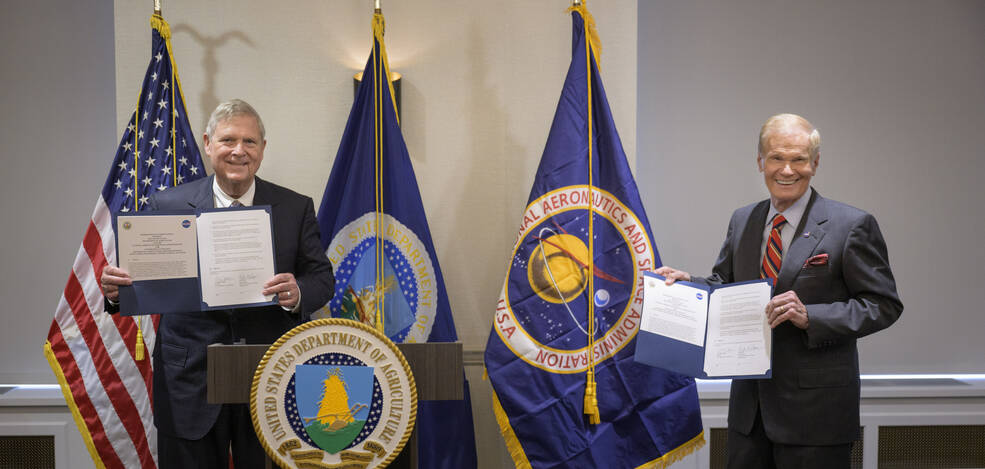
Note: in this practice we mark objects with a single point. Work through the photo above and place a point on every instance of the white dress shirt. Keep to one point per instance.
(223, 200)
(793, 214)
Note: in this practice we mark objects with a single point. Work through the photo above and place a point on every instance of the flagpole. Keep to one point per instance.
(139, 346)
(591, 394)
(378, 69)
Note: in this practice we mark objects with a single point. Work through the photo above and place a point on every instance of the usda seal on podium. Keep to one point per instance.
(333, 393)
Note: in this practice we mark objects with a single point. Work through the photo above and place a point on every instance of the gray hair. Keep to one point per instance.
(233, 107)
(790, 121)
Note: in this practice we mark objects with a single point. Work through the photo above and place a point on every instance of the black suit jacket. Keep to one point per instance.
(180, 407)
(813, 397)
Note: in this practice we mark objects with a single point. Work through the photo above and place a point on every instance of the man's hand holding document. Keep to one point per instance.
(195, 260)
(706, 332)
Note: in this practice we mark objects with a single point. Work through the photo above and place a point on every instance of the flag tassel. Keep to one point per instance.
(139, 348)
(591, 400)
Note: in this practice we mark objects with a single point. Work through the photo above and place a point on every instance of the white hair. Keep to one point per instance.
(233, 107)
(790, 121)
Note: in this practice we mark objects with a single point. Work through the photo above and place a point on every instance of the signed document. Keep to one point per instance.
(186, 261)
(677, 311)
(156, 247)
(706, 332)
(236, 253)
(739, 338)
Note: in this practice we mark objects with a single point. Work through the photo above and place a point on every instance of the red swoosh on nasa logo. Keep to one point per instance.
(595, 269)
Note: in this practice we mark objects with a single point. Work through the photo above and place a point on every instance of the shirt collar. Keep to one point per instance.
(223, 200)
(793, 213)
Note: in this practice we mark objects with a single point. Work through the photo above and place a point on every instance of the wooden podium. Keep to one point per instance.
(437, 369)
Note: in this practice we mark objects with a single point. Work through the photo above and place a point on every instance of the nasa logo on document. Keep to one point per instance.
(333, 392)
(543, 309)
(407, 291)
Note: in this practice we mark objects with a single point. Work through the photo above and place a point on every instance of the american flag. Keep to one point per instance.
(106, 379)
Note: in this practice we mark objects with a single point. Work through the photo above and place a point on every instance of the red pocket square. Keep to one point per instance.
(820, 259)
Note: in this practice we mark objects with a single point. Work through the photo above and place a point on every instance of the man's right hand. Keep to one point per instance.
(111, 280)
(672, 275)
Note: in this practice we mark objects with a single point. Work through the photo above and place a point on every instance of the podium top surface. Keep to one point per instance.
(437, 369)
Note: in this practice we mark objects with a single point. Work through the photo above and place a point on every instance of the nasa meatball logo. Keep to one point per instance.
(408, 292)
(333, 393)
(542, 311)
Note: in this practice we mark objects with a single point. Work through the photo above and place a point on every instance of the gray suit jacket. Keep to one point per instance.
(180, 407)
(813, 397)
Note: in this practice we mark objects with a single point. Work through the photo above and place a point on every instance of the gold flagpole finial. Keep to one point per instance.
(157, 7)
(576, 3)
(378, 9)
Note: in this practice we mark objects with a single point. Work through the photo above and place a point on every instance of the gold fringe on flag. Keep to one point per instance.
(590, 31)
(49, 354)
(520, 457)
(509, 436)
(379, 27)
(157, 22)
(676, 454)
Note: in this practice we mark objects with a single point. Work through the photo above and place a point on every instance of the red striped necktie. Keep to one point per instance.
(774, 250)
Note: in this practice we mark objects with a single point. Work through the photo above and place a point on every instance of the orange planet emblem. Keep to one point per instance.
(557, 267)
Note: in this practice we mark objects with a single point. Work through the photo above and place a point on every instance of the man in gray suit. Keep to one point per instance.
(191, 432)
(832, 285)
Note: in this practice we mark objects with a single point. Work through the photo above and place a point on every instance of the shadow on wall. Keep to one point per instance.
(210, 66)
(413, 121)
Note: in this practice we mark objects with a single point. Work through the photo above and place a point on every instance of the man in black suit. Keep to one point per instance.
(832, 286)
(191, 432)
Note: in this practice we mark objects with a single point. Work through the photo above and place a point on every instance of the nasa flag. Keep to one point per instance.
(574, 260)
(376, 235)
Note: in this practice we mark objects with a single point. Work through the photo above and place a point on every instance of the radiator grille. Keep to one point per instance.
(27, 452)
(717, 445)
(931, 446)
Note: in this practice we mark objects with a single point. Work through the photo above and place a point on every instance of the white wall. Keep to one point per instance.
(897, 90)
(57, 93)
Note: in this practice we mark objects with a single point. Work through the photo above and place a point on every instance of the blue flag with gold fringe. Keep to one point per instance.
(375, 233)
(574, 285)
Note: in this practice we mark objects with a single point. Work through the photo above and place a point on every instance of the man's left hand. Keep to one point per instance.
(786, 307)
(286, 288)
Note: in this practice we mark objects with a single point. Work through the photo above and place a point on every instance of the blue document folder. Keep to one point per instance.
(683, 357)
(174, 295)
